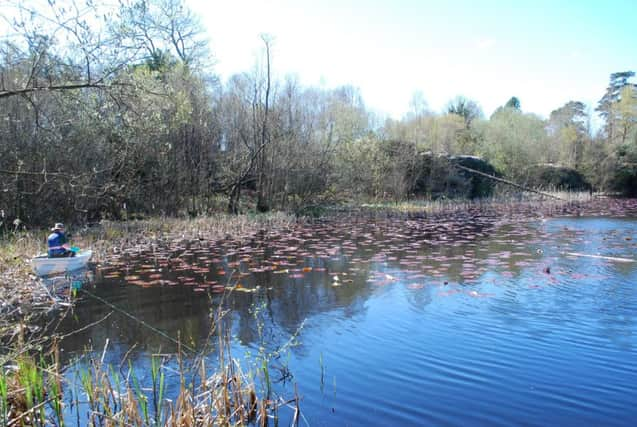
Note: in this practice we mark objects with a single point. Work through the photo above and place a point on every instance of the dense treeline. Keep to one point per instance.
(113, 112)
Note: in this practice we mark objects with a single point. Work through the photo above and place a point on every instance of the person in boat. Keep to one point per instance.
(58, 243)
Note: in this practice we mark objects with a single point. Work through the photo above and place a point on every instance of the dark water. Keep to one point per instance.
(490, 322)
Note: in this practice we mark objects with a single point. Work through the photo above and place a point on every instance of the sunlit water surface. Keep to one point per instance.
(397, 323)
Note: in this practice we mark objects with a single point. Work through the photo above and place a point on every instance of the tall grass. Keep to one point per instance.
(503, 200)
(158, 380)
(4, 401)
(34, 392)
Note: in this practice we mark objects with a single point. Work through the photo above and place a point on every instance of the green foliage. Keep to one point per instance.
(31, 378)
(514, 103)
(512, 140)
(144, 129)
(621, 170)
(624, 180)
(440, 178)
(568, 130)
(139, 394)
(478, 186)
(55, 391)
(158, 380)
(359, 167)
(618, 108)
(4, 401)
(446, 134)
(467, 109)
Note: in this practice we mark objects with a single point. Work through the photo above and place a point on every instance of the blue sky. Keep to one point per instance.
(544, 52)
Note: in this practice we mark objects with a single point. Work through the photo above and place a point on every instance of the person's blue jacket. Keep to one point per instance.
(55, 242)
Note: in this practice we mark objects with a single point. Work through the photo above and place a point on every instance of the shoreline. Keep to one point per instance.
(114, 240)
(23, 296)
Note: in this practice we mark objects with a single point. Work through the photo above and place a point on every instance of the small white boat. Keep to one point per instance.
(45, 266)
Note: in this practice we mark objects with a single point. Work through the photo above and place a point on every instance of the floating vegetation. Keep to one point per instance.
(440, 254)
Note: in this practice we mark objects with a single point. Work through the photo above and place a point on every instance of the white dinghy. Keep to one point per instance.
(45, 266)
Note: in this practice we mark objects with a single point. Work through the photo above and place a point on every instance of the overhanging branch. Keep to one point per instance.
(24, 91)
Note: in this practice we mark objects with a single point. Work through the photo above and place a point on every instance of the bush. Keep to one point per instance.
(480, 186)
(624, 180)
(439, 177)
(549, 176)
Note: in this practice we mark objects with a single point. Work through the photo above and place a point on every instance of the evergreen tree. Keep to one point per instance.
(608, 105)
(514, 103)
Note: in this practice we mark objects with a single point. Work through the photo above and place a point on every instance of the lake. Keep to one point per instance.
(475, 320)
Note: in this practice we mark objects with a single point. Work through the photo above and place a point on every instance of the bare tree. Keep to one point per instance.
(61, 47)
(467, 109)
(167, 31)
(89, 123)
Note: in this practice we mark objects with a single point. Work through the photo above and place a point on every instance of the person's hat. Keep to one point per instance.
(58, 226)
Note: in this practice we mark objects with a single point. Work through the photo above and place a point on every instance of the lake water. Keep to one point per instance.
(473, 321)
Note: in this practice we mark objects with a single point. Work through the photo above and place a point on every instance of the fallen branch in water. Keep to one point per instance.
(513, 184)
(609, 258)
(90, 325)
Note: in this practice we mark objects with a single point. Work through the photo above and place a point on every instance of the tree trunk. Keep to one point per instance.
(233, 200)
(263, 202)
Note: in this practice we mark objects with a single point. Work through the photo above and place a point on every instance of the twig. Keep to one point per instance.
(609, 258)
(83, 328)
(126, 357)
(48, 293)
(113, 419)
(24, 414)
(297, 409)
(104, 351)
(140, 321)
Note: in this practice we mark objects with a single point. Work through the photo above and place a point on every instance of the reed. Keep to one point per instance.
(139, 395)
(33, 393)
(158, 380)
(55, 390)
(4, 401)
(500, 199)
(15, 246)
